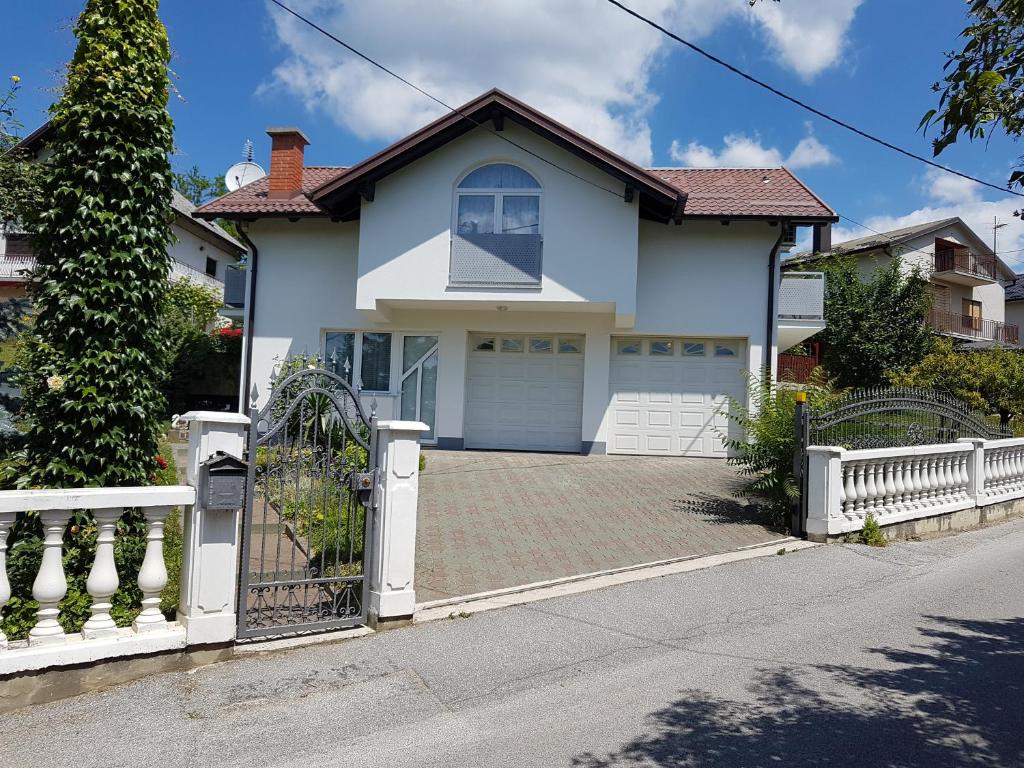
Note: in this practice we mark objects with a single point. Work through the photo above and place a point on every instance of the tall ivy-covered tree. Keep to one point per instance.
(94, 362)
(874, 326)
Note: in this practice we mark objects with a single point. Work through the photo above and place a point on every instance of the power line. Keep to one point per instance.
(803, 105)
(433, 98)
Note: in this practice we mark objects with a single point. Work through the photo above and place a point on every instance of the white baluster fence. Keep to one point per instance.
(47, 644)
(895, 485)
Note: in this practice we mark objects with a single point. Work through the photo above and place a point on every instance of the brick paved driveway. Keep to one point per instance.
(489, 520)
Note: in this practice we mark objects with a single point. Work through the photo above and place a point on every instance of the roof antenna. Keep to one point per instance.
(245, 172)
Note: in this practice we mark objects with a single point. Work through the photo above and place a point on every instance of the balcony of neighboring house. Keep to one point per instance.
(801, 307)
(180, 270)
(17, 258)
(973, 327)
(954, 263)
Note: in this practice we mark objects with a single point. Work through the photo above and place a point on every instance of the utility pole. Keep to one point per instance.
(996, 226)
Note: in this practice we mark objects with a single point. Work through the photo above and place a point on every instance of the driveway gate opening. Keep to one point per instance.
(309, 502)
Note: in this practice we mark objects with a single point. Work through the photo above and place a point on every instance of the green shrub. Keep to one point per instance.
(871, 534)
(766, 445)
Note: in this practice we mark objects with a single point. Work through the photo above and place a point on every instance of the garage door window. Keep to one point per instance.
(512, 345)
(484, 344)
(540, 345)
(570, 346)
(662, 348)
(693, 349)
(628, 347)
(729, 349)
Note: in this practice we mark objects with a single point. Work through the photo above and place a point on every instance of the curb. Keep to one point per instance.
(572, 585)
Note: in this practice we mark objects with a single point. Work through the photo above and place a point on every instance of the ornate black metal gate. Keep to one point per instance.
(308, 511)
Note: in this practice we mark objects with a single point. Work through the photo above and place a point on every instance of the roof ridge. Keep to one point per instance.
(717, 168)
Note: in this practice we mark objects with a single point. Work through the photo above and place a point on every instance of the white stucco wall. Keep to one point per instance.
(590, 235)
(192, 251)
(1015, 313)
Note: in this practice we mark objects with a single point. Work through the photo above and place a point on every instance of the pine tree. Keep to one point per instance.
(93, 364)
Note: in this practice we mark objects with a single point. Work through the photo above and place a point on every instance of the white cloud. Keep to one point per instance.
(808, 36)
(740, 151)
(953, 196)
(584, 63)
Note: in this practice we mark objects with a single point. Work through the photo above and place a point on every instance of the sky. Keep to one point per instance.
(240, 66)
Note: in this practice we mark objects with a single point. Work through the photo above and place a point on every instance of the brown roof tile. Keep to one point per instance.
(725, 192)
(738, 192)
(252, 201)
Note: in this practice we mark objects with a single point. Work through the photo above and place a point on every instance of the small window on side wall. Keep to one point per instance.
(211, 266)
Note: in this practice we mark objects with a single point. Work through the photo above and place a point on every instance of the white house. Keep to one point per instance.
(517, 286)
(1015, 301)
(966, 277)
(201, 250)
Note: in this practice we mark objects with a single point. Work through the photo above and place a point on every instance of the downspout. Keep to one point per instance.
(250, 319)
(771, 320)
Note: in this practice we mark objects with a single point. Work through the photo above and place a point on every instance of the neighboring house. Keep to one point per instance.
(1015, 302)
(966, 278)
(202, 251)
(515, 285)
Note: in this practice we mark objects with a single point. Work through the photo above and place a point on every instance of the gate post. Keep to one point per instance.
(797, 526)
(392, 549)
(209, 572)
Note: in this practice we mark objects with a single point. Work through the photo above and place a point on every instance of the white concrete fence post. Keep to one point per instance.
(393, 546)
(825, 492)
(209, 578)
(975, 468)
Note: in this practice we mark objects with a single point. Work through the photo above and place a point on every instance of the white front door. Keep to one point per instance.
(668, 395)
(524, 392)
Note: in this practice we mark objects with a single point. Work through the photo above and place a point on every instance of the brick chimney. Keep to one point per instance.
(287, 150)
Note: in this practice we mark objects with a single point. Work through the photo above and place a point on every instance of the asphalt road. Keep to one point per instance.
(835, 656)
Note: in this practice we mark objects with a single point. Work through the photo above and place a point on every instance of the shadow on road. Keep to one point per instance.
(956, 699)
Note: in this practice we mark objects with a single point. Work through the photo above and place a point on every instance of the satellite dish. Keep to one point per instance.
(243, 173)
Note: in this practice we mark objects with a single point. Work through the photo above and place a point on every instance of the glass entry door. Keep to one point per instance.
(419, 381)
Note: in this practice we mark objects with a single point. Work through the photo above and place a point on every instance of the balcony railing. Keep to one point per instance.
(14, 267)
(962, 260)
(973, 327)
(802, 296)
(180, 270)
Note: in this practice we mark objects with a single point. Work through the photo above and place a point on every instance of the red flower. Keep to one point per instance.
(161, 462)
(230, 332)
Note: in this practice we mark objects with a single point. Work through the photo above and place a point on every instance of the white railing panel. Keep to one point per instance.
(1003, 466)
(802, 296)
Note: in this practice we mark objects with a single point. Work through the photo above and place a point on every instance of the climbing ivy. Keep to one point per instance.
(92, 366)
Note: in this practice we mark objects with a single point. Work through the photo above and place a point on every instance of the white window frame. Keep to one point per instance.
(499, 193)
(357, 353)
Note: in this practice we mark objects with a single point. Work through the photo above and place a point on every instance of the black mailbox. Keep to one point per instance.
(222, 480)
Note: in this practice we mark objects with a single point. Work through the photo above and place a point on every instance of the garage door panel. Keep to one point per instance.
(523, 400)
(673, 405)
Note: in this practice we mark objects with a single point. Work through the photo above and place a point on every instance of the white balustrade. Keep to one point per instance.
(48, 644)
(905, 483)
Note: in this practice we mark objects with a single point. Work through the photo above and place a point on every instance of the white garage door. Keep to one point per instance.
(524, 392)
(667, 394)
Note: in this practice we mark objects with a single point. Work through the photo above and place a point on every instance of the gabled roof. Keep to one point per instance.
(340, 196)
(37, 139)
(746, 193)
(721, 193)
(1015, 290)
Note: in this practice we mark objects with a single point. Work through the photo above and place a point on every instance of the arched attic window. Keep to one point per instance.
(498, 199)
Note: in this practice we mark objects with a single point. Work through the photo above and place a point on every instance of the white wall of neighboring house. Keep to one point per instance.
(191, 251)
(1015, 313)
(920, 252)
